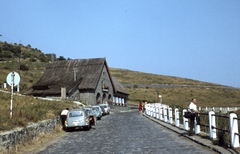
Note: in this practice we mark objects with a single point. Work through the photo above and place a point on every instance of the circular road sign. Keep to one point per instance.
(13, 76)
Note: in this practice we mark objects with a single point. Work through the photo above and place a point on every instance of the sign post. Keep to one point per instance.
(13, 79)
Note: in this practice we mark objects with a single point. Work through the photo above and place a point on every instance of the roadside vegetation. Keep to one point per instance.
(27, 109)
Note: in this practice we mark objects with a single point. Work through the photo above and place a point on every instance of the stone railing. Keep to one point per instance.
(218, 109)
(165, 113)
(10, 139)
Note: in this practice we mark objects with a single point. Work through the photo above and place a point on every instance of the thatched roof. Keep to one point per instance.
(61, 74)
(118, 87)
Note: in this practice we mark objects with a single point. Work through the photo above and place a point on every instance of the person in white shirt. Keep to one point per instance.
(64, 116)
(193, 109)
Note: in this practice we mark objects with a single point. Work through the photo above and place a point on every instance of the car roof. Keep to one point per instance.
(102, 104)
(78, 109)
(87, 108)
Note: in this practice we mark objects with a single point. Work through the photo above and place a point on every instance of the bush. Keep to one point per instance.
(24, 67)
(32, 59)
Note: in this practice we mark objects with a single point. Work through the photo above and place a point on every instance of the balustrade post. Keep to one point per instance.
(185, 121)
(234, 130)
(147, 109)
(161, 113)
(196, 127)
(165, 114)
(212, 125)
(151, 114)
(176, 117)
(154, 111)
(157, 112)
(170, 117)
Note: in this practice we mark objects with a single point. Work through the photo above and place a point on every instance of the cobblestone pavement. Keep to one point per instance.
(127, 132)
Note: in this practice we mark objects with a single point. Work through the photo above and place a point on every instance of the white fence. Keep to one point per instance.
(219, 109)
(164, 113)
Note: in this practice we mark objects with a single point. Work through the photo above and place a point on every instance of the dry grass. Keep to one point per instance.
(207, 94)
(27, 109)
(182, 96)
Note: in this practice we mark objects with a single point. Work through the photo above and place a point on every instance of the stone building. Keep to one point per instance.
(86, 80)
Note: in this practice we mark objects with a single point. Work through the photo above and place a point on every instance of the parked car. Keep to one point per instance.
(103, 110)
(106, 108)
(98, 111)
(79, 118)
(92, 114)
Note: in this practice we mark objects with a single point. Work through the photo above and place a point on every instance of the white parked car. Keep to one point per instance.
(106, 108)
(97, 109)
(79, 118)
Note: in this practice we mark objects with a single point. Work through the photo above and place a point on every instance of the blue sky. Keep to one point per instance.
(191, 39)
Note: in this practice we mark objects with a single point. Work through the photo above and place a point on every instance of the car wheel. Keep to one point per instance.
(67, 129)
(88, 127)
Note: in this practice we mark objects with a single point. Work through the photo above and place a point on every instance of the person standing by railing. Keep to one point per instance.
(193, 109)
(140, 107)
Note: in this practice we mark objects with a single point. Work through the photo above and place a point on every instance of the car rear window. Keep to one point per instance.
(75, 114)
(95, 108)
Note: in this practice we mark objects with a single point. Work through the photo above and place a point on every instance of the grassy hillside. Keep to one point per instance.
(174, 90)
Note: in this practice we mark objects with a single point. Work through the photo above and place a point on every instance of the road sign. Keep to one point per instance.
(13, 77)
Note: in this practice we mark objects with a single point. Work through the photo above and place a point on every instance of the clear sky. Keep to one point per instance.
(198, 40)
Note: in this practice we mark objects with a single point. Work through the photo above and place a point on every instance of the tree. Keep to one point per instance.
(23, 67)
(42, 58)
(61, 58)
(16, 50)
(32, 59)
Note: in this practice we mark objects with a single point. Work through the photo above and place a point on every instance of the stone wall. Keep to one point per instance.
(9, 139)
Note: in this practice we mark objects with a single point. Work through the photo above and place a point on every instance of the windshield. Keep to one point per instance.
(95, 108)
(75, 114)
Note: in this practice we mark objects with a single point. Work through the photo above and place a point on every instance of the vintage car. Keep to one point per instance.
(92, 114)
(79, 118)
(97, 109)
(106, 108)
(103, 110)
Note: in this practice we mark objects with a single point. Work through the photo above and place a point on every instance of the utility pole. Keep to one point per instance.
(19, 56)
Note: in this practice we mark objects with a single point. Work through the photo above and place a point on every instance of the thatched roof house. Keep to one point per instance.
(88, 80)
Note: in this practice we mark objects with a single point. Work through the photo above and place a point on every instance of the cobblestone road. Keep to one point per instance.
(126, 132)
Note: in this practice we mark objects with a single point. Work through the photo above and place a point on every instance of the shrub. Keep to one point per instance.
(24, 67)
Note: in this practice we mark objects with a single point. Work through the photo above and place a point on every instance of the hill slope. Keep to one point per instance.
(174, 90)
